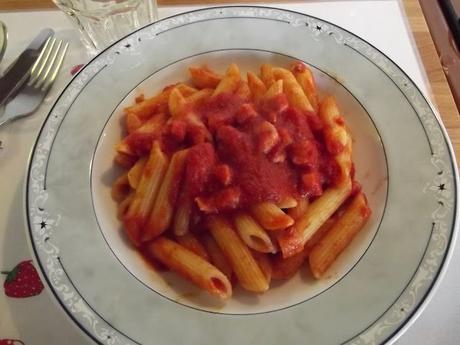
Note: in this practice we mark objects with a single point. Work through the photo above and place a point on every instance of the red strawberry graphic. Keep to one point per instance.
(74, 70)
(23, 281)
(11, 342)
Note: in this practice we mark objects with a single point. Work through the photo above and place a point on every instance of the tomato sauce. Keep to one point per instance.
(251, 153)
(258, 178)
(200, 162)
(141, 143)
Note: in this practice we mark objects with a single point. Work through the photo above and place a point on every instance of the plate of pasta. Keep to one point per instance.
(239, 182)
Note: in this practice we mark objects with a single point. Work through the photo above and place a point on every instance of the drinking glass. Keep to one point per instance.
(101, 22)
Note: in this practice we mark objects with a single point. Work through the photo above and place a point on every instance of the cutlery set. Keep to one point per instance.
(28, 79)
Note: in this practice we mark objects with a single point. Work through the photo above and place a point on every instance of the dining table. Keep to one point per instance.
(398, 28)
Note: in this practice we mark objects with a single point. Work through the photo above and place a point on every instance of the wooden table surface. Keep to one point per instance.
(439, 87)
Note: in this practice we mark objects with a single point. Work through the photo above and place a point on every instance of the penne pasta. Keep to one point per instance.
(305, 78)
(337, 139)
(217, 257)
(293, 240)
(190, 242)
(270, 216)
(150, 106)
(199, 97)
(135, 173)
(238, 254)
(182, 216)
(176, 103)
(331, 117)
(140, 98)
(257, 87)
(190, 266)
(162, 212)
(185, 89)
(320, 233)
(322, 208)
(300, 209)
(264, 263)
(203, 77)
(288, 202)
(293, 90)
(253, 234)
(120, 188)
(140, 141)
(267, 136)
(125, 160)
(259, 162)
(132, 122)
(123, 206)
(341, 233)
(225, 199)
(266, 74)
(198, 132)
(125, 152)
(275, 89)
(274, 103)
(145, 195)
(243, 91)
(158, 103)
(230, 82)
(285, 268)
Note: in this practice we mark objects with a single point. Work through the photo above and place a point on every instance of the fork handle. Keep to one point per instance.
(4, 120)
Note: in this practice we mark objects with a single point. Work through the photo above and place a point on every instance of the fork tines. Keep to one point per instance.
(45, 70)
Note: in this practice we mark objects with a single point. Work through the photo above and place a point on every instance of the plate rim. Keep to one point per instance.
(448, 252)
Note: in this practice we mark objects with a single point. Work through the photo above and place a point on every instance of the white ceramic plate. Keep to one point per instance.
(403, 160)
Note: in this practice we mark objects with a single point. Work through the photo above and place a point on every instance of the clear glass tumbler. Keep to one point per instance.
(102, 22)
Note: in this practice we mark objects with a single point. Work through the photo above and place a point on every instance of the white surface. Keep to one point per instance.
(380, 22)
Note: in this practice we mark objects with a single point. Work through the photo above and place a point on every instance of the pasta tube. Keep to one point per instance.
(339, 236)
(162, 212)
(191, 266)
(238, 254)
(270, 216)
(145, 195)
(253, 234)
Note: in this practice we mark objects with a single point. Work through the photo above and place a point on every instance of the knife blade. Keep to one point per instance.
(18, 72)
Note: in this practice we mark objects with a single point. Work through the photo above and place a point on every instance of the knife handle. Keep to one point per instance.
(11, 82)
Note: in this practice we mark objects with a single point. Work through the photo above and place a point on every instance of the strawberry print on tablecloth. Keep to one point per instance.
(76, 68)
(11, 342)
(23, 281)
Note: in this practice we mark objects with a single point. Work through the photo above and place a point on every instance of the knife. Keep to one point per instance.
(17, 74)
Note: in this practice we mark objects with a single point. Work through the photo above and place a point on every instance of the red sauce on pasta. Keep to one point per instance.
(249, 153)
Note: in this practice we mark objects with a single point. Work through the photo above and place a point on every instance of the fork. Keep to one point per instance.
(42, 76)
